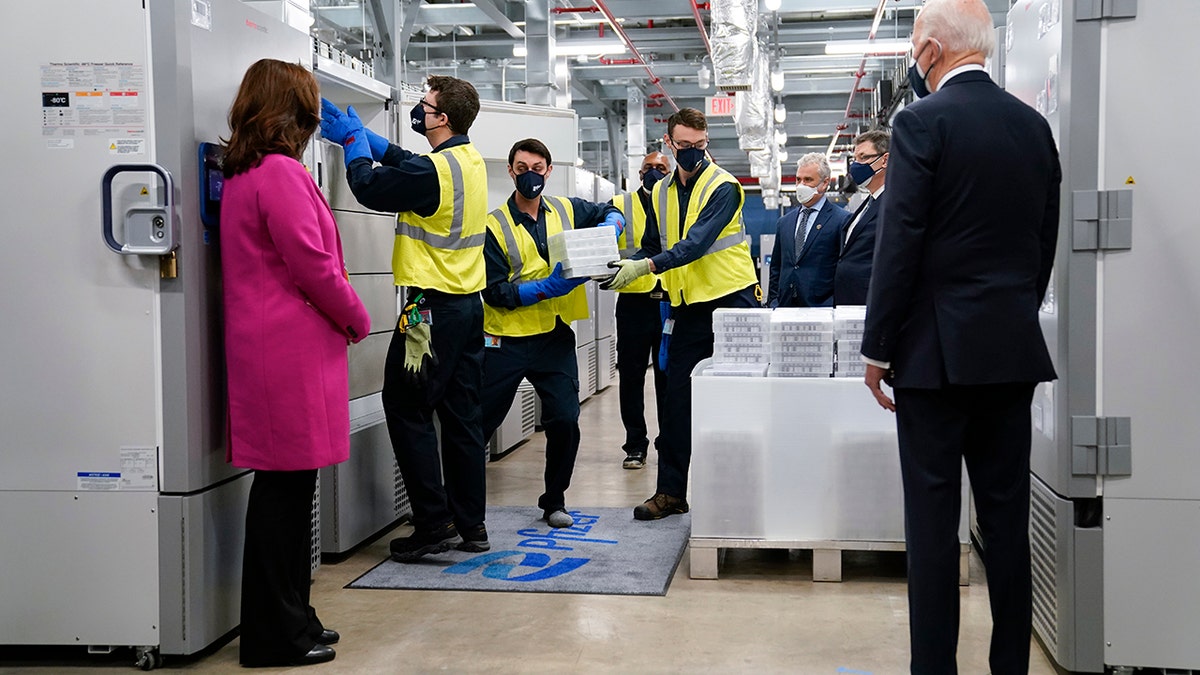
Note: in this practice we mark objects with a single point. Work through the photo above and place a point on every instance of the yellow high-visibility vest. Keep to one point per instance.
(526, 264)
(445, 250)
(726, 266)
(630, 240)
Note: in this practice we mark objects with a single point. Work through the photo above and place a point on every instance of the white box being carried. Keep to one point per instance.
(584, 252)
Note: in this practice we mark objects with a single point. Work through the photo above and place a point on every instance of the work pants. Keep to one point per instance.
(987, 426)
(691, 343)
(548, 362)
(452, 391)
(639, 334)
(278, 624)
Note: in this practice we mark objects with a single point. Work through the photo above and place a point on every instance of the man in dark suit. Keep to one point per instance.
(868, 169)
(962, 260)
(807, 241)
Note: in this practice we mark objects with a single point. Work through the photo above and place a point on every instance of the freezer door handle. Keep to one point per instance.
(148, 230)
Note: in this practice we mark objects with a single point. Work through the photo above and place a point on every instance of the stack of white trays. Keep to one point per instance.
(801, 342)
(584, 252)
(849, 322)
(740, 342)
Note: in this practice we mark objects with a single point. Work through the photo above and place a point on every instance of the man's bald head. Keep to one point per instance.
(961, 26)
(656, 160)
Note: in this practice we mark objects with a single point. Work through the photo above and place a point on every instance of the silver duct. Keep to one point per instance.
(734, 32)
(753, 111)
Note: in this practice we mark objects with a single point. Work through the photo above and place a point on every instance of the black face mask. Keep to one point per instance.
(530, 184)
(651, 177)
(417, 117)
(689, 158)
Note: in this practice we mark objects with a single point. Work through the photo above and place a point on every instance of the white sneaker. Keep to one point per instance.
(559, 518)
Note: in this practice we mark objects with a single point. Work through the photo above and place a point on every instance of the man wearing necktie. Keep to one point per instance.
(867, 169)
(807, 241)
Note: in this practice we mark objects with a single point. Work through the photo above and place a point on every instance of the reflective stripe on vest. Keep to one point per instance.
(455, 241)
(444, 250)
(726, 265)
(540, 317)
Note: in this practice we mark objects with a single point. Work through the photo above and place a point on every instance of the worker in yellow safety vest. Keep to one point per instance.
(640, 318)
(704, 259)
(435, 361)
(528, 309)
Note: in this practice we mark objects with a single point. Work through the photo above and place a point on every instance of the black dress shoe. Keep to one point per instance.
(318, 654)
(328, 637)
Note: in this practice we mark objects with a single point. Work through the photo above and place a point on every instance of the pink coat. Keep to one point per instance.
(289, 312)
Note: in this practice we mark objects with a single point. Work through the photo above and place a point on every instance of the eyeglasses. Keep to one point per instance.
(867, 159)
(702, 145)
(429, 106)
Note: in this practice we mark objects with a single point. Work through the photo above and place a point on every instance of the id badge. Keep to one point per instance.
(427, 316)
(491, 341)
(668, 326)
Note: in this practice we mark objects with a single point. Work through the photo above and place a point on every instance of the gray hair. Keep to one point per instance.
(960, 25)
(817, 158)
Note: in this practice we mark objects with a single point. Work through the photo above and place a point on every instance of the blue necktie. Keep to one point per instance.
(802, 230)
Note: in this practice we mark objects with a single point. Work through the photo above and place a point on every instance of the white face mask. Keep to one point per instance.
(805, 193)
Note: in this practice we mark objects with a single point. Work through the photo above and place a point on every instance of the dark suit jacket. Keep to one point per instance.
(853, 275)
(807, 280)
(965, 246)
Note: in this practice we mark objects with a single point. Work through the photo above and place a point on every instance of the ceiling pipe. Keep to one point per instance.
(858, 76)
(606, 61)
(700, 26)
(573, 10)
(616, 26)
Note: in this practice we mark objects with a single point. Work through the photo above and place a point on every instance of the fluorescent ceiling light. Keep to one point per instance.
(578, 48)
(867, 47)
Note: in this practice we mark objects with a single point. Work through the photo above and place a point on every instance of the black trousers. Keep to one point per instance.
(988, 427)
(452, 391)
(639, 334)
(691, 343)
(278, 624)
(548, 362)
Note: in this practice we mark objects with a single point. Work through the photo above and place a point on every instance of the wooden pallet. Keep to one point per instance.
(706, 553)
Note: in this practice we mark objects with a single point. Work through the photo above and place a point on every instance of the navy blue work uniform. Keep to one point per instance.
(547, 360)
(450, 486)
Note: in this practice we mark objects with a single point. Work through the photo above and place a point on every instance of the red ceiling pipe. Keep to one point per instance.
(604, 60)
(862, 66)
(600, 29)
(700, 26)
(573, 10)
(612, 21)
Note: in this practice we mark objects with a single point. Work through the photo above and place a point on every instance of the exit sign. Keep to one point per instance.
(718, 106)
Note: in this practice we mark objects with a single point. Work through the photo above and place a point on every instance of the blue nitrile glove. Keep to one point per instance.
(628, 271)
(664, 313)
(333, 122)
(617, 220)
(379, 145)
(355, 145)
(553, 286)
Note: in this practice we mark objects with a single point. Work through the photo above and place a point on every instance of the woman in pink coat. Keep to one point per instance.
(289, 313)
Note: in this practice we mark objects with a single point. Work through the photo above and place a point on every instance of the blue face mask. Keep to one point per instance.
(861, 173)
(417, 116)
(917, 79)
(530, 184)
(689, 158)
(651, 177)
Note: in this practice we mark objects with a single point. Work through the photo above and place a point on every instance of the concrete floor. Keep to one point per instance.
(764, 614)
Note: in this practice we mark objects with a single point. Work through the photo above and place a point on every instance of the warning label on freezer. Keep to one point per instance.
(139, 468)
(93, 98)
(98, 480)
(126, 146)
